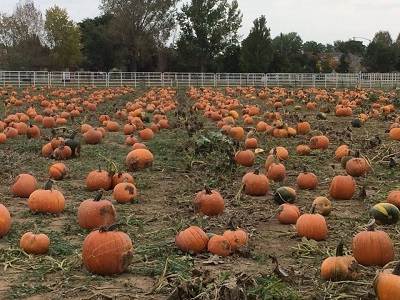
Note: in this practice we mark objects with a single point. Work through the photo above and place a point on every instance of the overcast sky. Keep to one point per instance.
(323, 21)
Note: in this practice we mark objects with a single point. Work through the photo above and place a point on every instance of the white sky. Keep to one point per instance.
(323, 21)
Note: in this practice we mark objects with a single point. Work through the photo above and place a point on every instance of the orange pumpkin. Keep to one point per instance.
(209, 202)
(33, 243)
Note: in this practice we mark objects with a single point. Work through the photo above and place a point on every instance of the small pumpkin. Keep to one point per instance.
(245, 158)
(209, 202)
(236, 237)
(62, 152)
(340, 267)
(306, 180)
(387, 283)
(32, 243)
(24, 185)
(373, 247)
(124, 192)
(319, 142)
(356, 166)
(192, 239)
(385, 213)
(322, 205)
(92, 136)
(139, 159)
(276, 171)
(284, 194)
(58, 171)
(119, 177)
(46, 200)
(312, 226)
(98, 179)
(219, 245)
(394, 198)
(107, 252)
(255, 183)
(5, 220)
(96, 212)
(288, 213)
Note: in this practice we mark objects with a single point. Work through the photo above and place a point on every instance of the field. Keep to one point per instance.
(192, 152)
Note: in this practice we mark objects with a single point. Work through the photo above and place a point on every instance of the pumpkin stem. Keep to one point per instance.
(49, 184)
(339, 249)
(371, 225)
(98, 196)
(208, 189)
(111, 227)
(357, 153)
(396, 270)
(99, 167)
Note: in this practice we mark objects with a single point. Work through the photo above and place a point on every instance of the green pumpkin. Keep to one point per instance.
(385, 213)
(284, 194)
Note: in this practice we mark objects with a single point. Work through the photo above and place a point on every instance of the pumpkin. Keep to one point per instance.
(47, 150)
(373, 247)
(288, 213)
(119, 177)
(124, 192)
(385, 213)
(245, 158)
(95, 212)
(251, 143)
(319, 142)
(339, 267)
(33, 243)
(74, 145)
(146, 134)
(322, 205)
(209, 202)
(62, 152)
(284, 194)
(24, 185)
(312, 226)
(255, 183)
(107, 252)
(342, 187)
(5, 220)
(306, 180)
(33, 132)
(303, 127)
(192, 239)
(92, 136)
(219, 245)
(303, 150)
(58, 171)
(387, 283)
(341, 151)
(46, 200)
(139, 159)
(394, 198)
(281, 152)
(98, 179)
(356, 166)
(237, 237)
(276, 171)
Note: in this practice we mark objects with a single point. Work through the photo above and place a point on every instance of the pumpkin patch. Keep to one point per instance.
(207, 183)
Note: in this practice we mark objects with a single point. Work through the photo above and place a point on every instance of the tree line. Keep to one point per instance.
(159, 36)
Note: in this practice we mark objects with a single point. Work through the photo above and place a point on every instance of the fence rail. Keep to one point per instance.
(155, 79)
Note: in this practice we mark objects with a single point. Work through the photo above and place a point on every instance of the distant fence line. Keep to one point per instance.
(157, 79)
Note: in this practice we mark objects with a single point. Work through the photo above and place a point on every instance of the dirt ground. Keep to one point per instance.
(276, 263)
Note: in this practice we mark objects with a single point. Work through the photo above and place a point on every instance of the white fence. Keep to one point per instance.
(155, 79)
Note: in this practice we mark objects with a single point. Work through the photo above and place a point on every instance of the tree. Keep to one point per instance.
(98, 46)
(256, 52)
(350, 46)
(22, 36)
(141, 28)
(63, 38)
(381, 53)
(207, 27)
(287, 48)
(313, 47)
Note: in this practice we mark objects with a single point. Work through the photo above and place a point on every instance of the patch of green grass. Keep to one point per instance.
(269, 287)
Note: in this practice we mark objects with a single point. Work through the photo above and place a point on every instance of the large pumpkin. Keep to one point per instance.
(96, 212)
(312, 226)
(192, 239)
(5, 220)
(46, 200)
(107, 252)
(342, 187)
(373, 247)
(24, 185)
(209, 202)
(139, 159)
(339, 267)
(387, 284)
